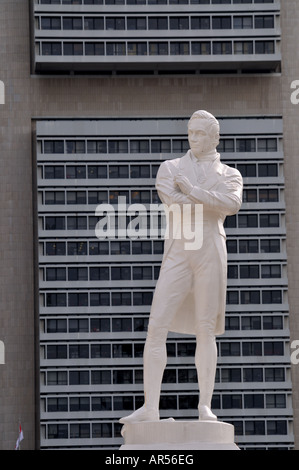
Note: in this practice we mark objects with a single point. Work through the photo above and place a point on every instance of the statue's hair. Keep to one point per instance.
(213, 124)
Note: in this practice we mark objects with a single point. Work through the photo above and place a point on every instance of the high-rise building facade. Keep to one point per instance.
(97, 94)
(96, 291)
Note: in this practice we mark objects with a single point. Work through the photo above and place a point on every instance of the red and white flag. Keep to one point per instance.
(20, 438)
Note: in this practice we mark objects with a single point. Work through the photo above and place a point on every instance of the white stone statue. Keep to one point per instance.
(190, 293)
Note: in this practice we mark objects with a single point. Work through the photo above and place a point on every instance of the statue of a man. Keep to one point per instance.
(191, 290)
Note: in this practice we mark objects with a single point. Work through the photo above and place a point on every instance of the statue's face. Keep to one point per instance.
(199, 138)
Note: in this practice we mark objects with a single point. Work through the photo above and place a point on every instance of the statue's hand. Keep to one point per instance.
(183, 183)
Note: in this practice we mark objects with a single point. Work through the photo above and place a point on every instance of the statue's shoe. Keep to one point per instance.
(205, 413)
(142, 414)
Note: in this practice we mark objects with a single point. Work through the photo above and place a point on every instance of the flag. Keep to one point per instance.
(20, 438)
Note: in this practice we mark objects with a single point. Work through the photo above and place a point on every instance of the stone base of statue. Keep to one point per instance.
(169, 434)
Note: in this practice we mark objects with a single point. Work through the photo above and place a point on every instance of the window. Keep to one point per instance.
(230, 375)
(57, 431)
(249, 195)
(115, 23)
(226, 145)
(75, 146)
(179, 22)
(248, 246)
(137, 48)
(264, 47)
(251, 323)
(270, 246)
(247, 170)
(268, 195)
(254, 374)
(72, 23)
(252, 348)
(81, 431)
(200, 22)
(116, 48)
(55, 248)
(247, 220)
(243, 22)
(267, 145)
(55, 223)
(93, 23)
(220, 48)
(243, 47)
(264, 21)
(274, 374)
(158, 48)
(51, 48)
(75, 172)
(159, 146)
(269, 220)
(267, 169)
(271, 271)
(273, 348)
(158, 22)
(96, 146)
(250, 297)
(221, 22)
(254, 428)
(134, 23)
(94, 48)
(179, 48)
(249, 271)
(245, 145)
(201, 48)
(232, 401)
(50, 23)
(230, 349)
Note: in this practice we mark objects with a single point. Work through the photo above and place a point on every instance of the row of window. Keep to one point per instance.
(93, 171)
(139, 324)
(171, 375)
(274, 296)
(145, 196)
(133, 170)
(89, 223)
(153, 145)
(123, 298)
(129, 350)
(102, 273)
(150, 2)
(252, 221)
(174, 402)
(154, 22)
(154, 48)
(148, 247)
(109, 430)
(142, 272)
(92, 248)
(62, 197)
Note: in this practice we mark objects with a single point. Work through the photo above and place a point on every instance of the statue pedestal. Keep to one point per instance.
(178, 435)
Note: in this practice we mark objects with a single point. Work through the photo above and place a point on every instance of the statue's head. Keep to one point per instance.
(203, 133)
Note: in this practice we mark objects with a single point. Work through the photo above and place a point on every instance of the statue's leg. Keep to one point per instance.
(206, 362)
(173, 284)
